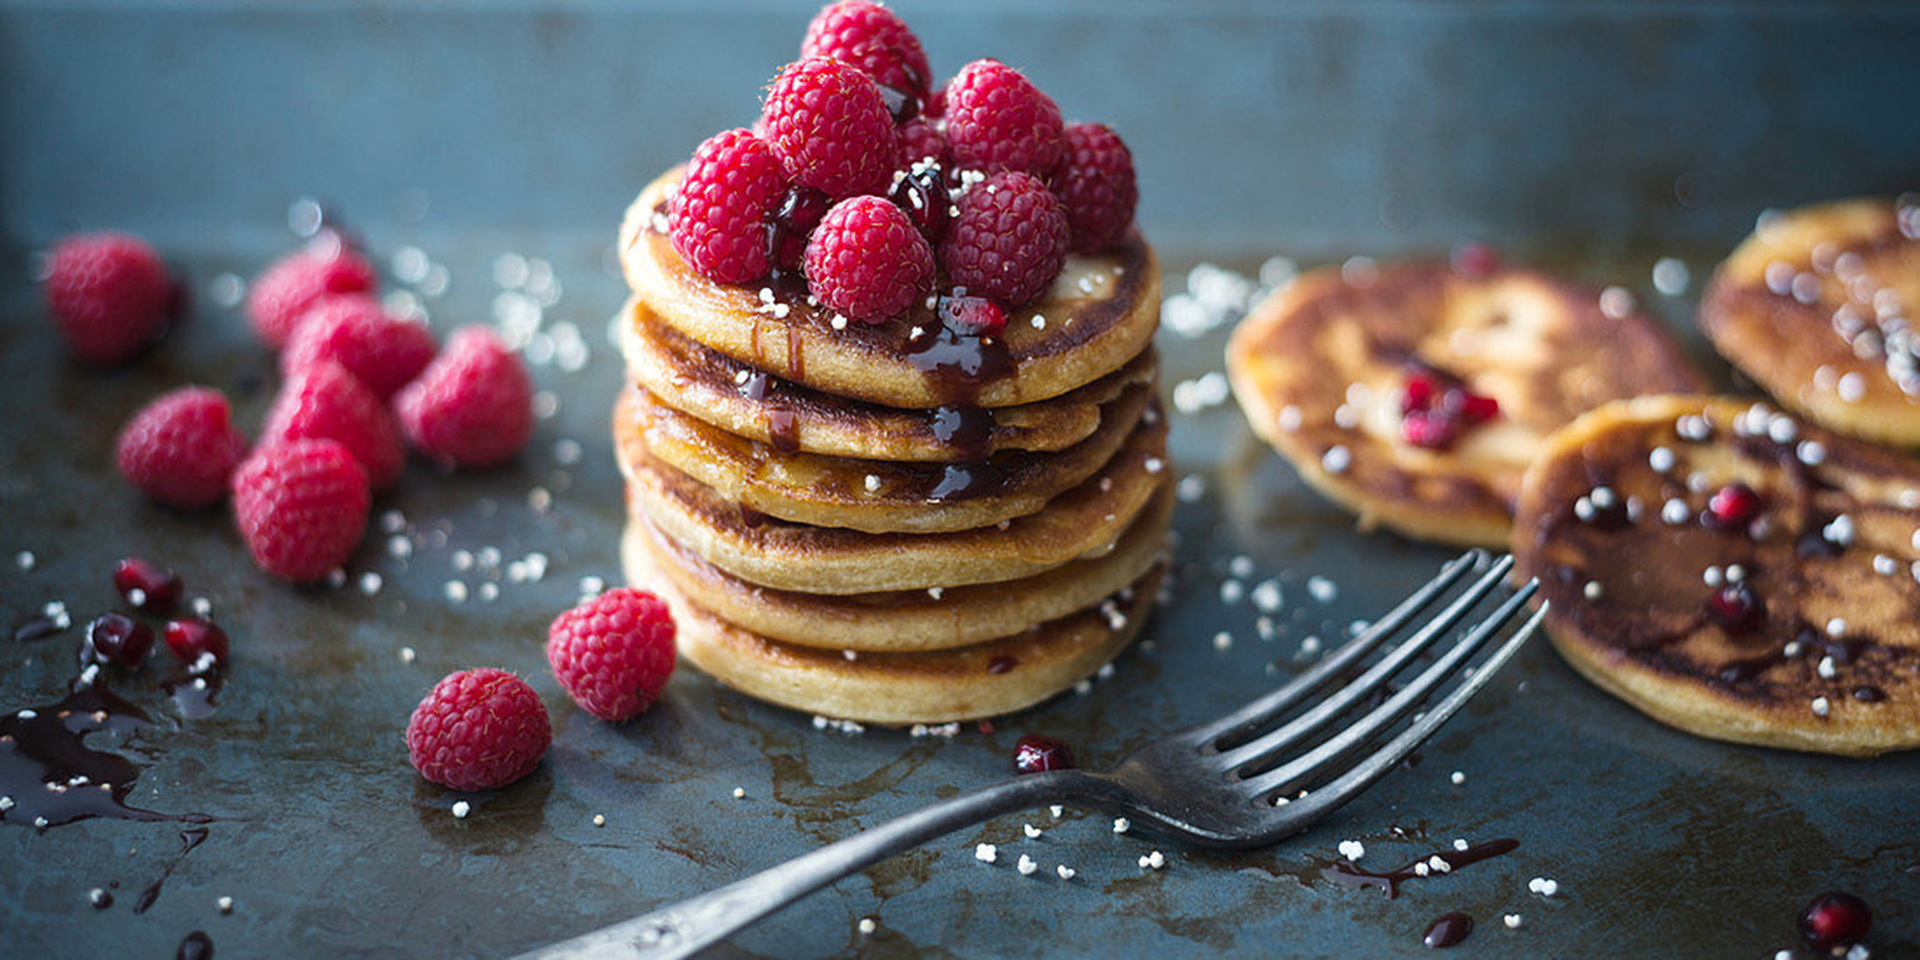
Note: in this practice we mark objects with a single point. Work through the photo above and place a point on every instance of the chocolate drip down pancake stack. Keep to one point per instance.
(892, 523)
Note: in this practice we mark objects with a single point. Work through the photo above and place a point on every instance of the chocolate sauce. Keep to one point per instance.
(749, 517)
(197, 946)
(51, 775)
(783, 429)
(189, 839)
(1001, 664)
(1447, 930)
(39, 628)
(968, 430)
(103, 901)
(754, 387)
(197, 698)
(962, 481)
(796, 357)
(1868, 693)
(957, 365)
(1347, 874)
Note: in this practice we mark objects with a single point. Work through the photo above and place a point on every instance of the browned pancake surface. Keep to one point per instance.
(1611, 521)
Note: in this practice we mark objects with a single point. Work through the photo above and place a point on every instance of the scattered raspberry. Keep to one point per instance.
(831, 129)
(380, 350)
(181, 448)
(158, 589)
(1096, 182)
(109, 294)
(477, 730)
(278, 302)
(921, 139)
(301, 506)
(998, 120)
(719, 216)
(473, 406)
(191, 638)
(867, 261)
(325, 402)
(1009, 240)
(875, 40)
(614, 653)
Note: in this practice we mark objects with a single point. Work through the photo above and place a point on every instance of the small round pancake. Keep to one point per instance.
(874, 496)
(1321, 366)
(1818, 306)
(1085, 521)
(748, 403)
(969, 683)
(1612, 519)
(1100, 314)
(908, 620)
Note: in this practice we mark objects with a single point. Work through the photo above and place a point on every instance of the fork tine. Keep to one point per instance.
(1343, 656)
(1396, 706)
(1362, 775)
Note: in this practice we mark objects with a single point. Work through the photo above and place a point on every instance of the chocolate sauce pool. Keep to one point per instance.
(49, 775)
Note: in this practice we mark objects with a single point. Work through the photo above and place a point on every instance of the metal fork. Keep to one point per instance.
(1240, 781)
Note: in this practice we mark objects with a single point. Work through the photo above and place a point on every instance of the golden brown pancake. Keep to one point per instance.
(1099, 315)
(1084, 521)
(908, 620)
(972, 682)
(1321, 367)
(1816, 648)
(875, 496)
(1818, 306)
(748, 403)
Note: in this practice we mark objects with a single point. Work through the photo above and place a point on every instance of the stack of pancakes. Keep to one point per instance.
(892, 523)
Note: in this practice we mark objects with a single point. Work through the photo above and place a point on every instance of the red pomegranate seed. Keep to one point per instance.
(1732, 507)
(118, 638)
(1478, 408)
(190, 638)
(1737, 608)
(1835, 919)
(787, 233)
(1038, 753)
(974, 316)
(159, 589)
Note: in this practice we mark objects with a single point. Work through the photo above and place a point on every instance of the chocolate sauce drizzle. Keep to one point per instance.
(1352, 876)
(1447, 930)
(49, 773)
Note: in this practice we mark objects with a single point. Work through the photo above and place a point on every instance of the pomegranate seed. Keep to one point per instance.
(792, 223)
(1431, 429)
(922, 193)
(159, 589)
(1422, 389)
(1038, 753)
(1732, 507)
(1475, 260)
(190, 638)
(1835, 919)
(974, 316)
(118, 638)
(1478, 408)
(1737, 608)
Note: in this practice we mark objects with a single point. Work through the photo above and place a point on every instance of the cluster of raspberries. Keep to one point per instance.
(359, 385)
(873, 184)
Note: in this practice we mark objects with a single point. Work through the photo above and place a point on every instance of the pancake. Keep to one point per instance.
(908, 620)
(1100, 314)
(1322, 366)
(973, 682)
(745, 402)
(874, 496)
(1818, 306)
(1082, 522)
(1821, 653)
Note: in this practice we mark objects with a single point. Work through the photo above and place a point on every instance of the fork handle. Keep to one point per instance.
(681, 929)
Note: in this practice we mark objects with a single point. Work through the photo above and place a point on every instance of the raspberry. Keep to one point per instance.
(614, 653)
(325, 402)
(1096, 183)
(278, 302)
(874, 40)
(477, 730)
(719, 215)
(831, 129)
(921, 139)
(181, 448)
(1009, 240)
(998, 120)
(301, 506)
(380, 350)
(109, 294)
(473, 406)
(867, 261)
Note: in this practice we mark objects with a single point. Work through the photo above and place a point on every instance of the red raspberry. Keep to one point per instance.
(718, 218)
(873, 39)
(325, 402)
(614, 653)
(301, 506)
(473, 406)
(998, 120)
(921, 139)
(477, 730)
(831, 129)
(181, 448)
(278, 302)
(109, 294)
(1096, 183)
(867, 261)
(382, 351)
(1009, 240)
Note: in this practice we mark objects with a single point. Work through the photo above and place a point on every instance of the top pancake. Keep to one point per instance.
(1100, 314)
(1817, 307)
(1612, 520)
(1321, 366)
